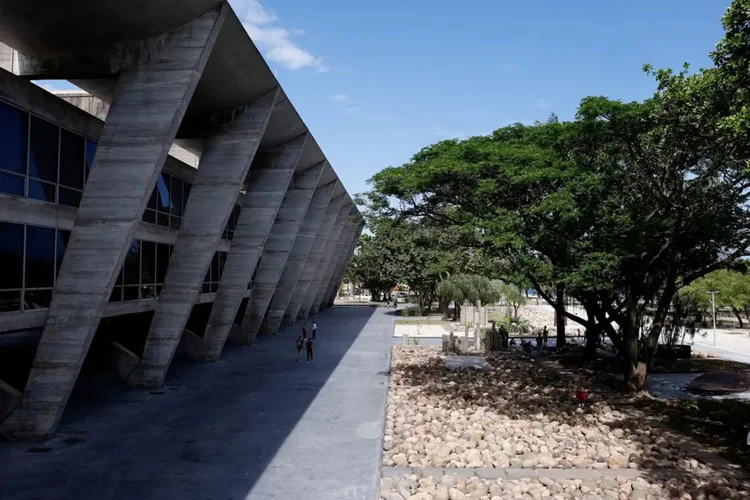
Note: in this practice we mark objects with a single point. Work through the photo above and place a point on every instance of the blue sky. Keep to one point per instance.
(377, 81)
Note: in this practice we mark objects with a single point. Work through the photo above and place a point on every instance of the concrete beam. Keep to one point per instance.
(340, 255)
(325, 259)
(338, 273)
(224, 166)
(297, 257)
(313, 259)
(277, 247)
(150, 101)
(267, 185)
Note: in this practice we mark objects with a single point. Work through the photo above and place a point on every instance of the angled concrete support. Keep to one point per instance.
(325, 259)
(221, 174)
(277, 247)
(337, 252)
(148, 104)
(297, 256)
(338, 273)
(267, 184)
(313, 259)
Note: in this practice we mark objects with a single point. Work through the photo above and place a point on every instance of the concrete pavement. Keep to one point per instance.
(255, 425)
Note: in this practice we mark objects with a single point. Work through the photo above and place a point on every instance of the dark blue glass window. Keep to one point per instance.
(63, 237)
(72, 159)
(132, 267)
(11, 183)
(42, 191)
(43, 149)
(14, 125)
(37, 299)
(70, 197)
(163, 253)
(11, 256)
(162, 196)
(176, 196)
(148, 262)
(10, 301)
(40, 257)
(90, 153)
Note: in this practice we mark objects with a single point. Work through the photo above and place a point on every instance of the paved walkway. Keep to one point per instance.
(255, 425)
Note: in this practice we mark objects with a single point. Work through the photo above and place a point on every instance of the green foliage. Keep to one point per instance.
(513, 297)
(733, 289)
(471, 288)
(619, 208)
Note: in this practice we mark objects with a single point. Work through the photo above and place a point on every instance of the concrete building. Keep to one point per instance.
(179, 201)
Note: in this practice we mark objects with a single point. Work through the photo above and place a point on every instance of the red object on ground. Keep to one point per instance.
(582, 395)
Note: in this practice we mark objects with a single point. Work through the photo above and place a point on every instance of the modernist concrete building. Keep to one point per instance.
(181, 202)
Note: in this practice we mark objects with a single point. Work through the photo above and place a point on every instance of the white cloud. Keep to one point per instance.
(352, 109)
(274, 41)
(341, 98)
(541, 104)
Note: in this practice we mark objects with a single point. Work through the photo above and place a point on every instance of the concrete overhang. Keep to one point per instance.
(235, 74)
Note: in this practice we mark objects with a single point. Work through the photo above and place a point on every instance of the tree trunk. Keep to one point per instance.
(560, 318)
(636, 369)
(738, 316)
(593, 332)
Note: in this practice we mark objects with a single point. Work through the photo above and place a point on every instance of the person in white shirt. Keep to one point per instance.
(315, 329)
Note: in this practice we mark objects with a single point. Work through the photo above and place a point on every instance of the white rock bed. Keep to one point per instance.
(455, 487)
(516, 415)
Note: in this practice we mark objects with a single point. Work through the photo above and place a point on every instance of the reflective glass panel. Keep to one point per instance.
(70, 197)
(133, 264)
(44, 191)
(63, 237)
(148, 262)
(37, 299)
(40, 257)
(10, 301)
(11, 184)
(72, 159)
(11, 255)
(43, 149)
(13, 140)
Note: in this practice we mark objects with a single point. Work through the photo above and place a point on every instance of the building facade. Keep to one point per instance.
(180, 201)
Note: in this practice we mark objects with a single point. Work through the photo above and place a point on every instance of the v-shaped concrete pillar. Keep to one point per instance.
(277, 247)
(325, 260)
(266, 187)
(343, 263)
(297, 257)
(148, 104)
(313, 257)
(222, 171)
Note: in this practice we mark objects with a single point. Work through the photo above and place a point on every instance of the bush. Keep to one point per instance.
(519, 325)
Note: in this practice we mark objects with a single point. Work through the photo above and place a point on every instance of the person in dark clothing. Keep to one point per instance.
(300, 344)
(545, 335)
(315, 329)
(304, 331)
(309, 350)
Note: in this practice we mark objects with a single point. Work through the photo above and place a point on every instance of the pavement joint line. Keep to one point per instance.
(520, 473)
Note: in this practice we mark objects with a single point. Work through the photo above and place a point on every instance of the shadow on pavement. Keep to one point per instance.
(209, 433)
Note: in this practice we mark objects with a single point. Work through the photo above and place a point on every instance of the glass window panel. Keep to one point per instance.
(214, 287)
(207, 278)
(13, 141)
(230, 235)
(152, 200)
(37, 299)
(222, 262)
(175, 222)
(162, 219)
(11, 255)
(149, 216)
(63, 237)
(70, 197)
(225, 235)
(162, 197)
(206, 288)
(116, 294)
(90, 153)
(130, 293)
(186, 186)
(11, 184)
(148, 292)
(72, 159)
(43, 149)
(162, 262)
(158, 290)
(119, 277)
(176, 199)
(10, 301)
(215, 267)
(40, 257)
(148, 262)
(132, 266)
(44, 191)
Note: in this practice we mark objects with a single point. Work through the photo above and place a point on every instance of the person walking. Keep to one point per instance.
(545, 335)
(304, 331)
(300, 344)
(309, 350)
(315, 329)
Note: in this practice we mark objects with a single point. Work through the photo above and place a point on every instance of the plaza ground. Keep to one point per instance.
(254, 425)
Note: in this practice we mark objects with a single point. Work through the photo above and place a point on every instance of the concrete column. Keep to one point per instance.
(325, 259)
(313, 258)
(297, 257)
(277, 247)
(267, 184)
(338, 273)
(222, 171)
(148, 104)
(337, 252)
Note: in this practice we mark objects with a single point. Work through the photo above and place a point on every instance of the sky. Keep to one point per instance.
(377, 81)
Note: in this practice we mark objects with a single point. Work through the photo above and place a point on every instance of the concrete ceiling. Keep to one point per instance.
(235, 74)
